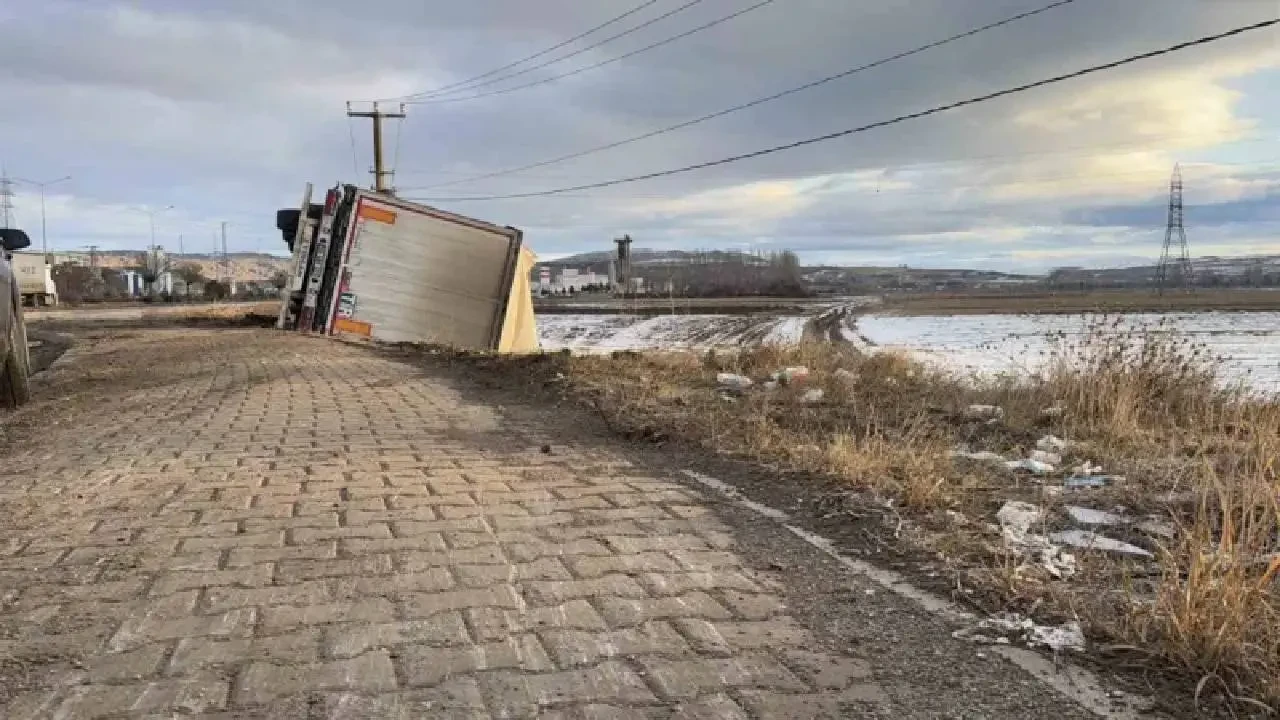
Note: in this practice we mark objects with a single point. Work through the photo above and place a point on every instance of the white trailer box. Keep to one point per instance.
(397, 271)
(35, 278)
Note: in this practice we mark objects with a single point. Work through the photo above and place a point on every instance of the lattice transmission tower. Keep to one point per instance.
(1175, 263)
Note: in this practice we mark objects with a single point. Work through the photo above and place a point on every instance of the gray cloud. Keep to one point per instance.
(225, 108)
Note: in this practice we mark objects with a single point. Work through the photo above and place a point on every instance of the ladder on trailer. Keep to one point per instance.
(319, 261)
(301, 255)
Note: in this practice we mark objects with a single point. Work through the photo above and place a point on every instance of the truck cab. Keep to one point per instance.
(14, 386)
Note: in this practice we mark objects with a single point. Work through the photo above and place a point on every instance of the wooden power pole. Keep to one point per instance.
(377, 114)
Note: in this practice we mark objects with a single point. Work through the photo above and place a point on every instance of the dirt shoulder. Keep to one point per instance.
(873, 468)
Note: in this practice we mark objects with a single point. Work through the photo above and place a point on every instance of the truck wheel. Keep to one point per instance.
(15, 388)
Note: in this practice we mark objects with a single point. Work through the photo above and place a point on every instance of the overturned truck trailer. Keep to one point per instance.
(369, 265)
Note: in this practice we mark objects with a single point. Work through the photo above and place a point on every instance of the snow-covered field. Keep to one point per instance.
(983, 344)
(605, 333)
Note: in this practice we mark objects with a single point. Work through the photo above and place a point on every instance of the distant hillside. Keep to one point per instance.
(243, 267)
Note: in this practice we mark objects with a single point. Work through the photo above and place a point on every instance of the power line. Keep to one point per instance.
(553, 48)
(602, 63)
(761, 101)
(427, 96)
(1253, 166)
(1079, 150)
(892, 121)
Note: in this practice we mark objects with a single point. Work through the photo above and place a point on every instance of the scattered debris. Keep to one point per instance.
(1088, 481)
(1006, 628)
(1036, 467)
(984, 412)
(1069, 636)
(1048, 458)
(1089, 516)
(982, 456)
(1016, 519)
(1051, 443)
(1089, 540)
(1087, 468)
(847, 376)
(812, 397)
(792, 375)
(733, 381)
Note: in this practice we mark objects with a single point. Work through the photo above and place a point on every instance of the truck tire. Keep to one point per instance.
(15, 387)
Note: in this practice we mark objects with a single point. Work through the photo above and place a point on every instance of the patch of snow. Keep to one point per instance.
(1035, 467)
(1002, 344)
(1048, 458)
(1051, 443)
(981, 456)
(786, 331)
(1005, 628)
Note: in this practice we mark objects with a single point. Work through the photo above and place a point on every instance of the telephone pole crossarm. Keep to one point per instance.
(377, 115)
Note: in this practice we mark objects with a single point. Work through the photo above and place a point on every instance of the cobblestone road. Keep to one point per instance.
(246, 524)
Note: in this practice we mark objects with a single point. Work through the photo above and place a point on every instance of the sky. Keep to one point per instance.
(185, 114)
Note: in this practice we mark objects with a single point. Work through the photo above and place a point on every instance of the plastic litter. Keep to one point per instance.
(1044, 456)
(1087, 468)
(981, 456)
(984, 412)
(1089, 540)
(1036, 467)
(1089, 516)
(734, 381)
(792, 375)
(1051, 443)
(1088, 481)
(1016, 519)
(1006, 628)
(812, 397)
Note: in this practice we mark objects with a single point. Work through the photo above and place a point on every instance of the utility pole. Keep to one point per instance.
(380, 173)
(44, 232)
(226, 259)
(6, 199)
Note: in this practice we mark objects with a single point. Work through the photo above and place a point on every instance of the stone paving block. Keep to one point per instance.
(128, 666)
(352, 639)
(429, 666)
(680, 583)
(556, 592)
(396, 583)
(285, 618)
(240, 557)
(427, 604)
(252, 576)
(306, 536)
(482, 575)
(571, 648)
(136, 631)
(479, 555)
(262, 539)
(726, 638)
(591, 567)
(361, 546)
(456, 699)
(311, 592)
(186, 696)
(655, 543)
(527, 551)
(687, 679)
(194, 654)
(293, 571)
(263, 682)
(489, 624)
(625, 612)
(510, 694)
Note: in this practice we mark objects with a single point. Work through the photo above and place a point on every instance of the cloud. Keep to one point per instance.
(225, 109)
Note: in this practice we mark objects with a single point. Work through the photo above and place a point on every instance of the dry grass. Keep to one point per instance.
(1143, 402)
